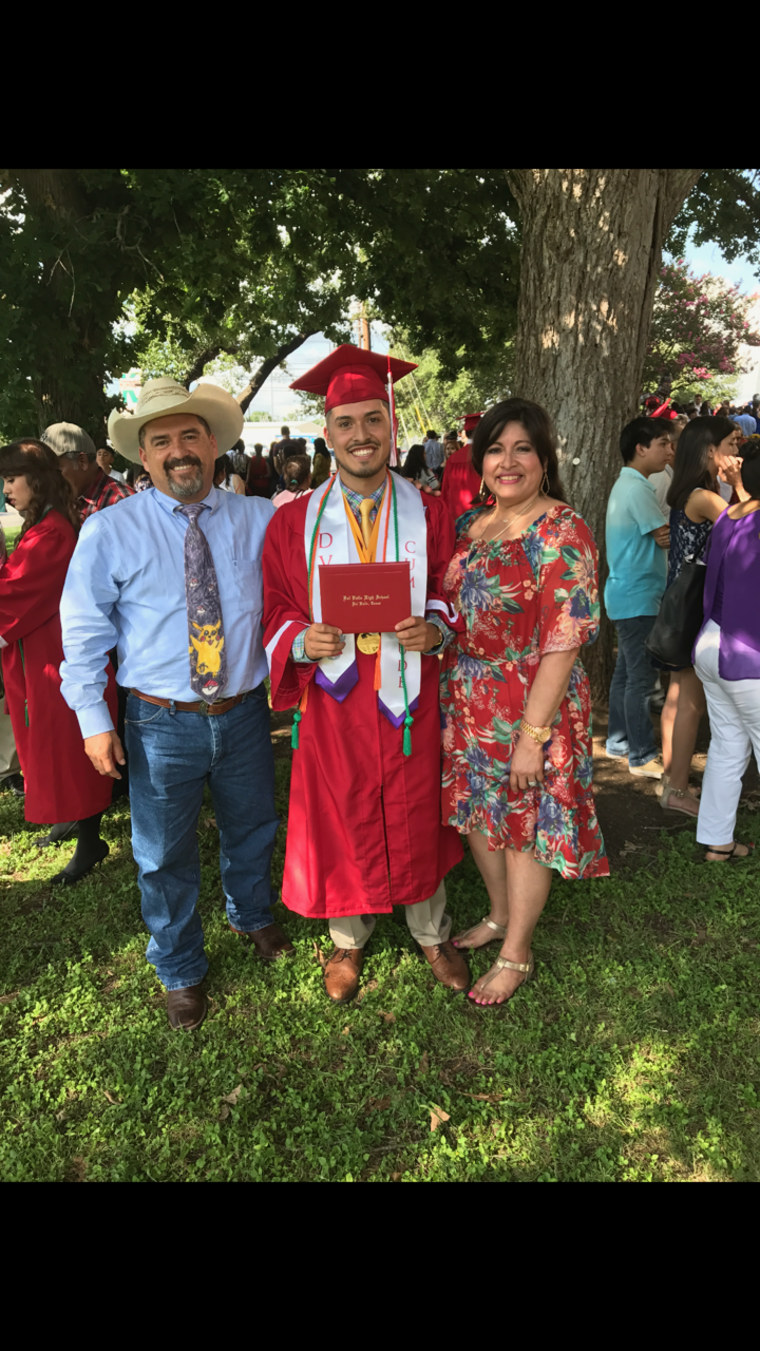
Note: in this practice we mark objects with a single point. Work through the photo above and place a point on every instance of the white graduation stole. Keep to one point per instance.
(335, 544)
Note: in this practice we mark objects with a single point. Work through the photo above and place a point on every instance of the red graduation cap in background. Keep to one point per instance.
(471, 421)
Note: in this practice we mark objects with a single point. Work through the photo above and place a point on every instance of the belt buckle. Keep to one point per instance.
(205, 708)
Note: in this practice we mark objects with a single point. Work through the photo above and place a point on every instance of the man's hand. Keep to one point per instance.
(417, 635)
(322, 640)
(661, 536)
(106, 752)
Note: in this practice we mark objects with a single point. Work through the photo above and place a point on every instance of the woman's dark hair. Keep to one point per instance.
(414, 464)
(750, 470)
(296, 471)
(223, 466)
(690, 469)
(31, 459)
(321, 467)
(290, 448)
(540, 432)
(32, 446)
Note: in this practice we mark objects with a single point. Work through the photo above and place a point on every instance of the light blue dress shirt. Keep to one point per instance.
(125, 588)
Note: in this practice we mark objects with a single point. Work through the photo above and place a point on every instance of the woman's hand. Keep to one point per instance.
(547, 692)
(730, 469)
(527, 768)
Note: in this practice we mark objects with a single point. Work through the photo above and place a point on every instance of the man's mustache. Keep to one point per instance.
(180, 464)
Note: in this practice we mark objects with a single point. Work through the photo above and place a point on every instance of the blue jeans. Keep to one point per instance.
(630, 731)
(172, 755)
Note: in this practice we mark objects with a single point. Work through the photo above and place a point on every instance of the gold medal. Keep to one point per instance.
(368, 643)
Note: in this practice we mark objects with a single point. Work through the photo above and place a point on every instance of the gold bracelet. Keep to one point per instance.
(537, 734)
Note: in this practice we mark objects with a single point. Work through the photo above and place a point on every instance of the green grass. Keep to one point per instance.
(631, 1057)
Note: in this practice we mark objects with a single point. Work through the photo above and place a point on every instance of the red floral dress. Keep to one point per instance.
(520, 599)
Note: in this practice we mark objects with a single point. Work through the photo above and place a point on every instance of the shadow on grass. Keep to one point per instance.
(633, 1056)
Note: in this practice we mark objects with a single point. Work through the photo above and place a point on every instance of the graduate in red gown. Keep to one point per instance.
(60, 783)
(460, 482)
(364, 829)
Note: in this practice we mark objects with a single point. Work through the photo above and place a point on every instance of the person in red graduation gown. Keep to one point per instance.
(460, 483)
(60, 783)
(364, 828)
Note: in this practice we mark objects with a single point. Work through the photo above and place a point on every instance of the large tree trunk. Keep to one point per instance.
(591, 257)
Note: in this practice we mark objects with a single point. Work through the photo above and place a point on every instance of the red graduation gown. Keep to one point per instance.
(60, 782)
(460, 482)
(364, 825)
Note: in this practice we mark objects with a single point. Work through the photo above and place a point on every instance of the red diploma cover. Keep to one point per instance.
(365, 597)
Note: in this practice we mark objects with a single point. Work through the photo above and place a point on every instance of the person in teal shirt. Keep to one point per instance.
(637, 537)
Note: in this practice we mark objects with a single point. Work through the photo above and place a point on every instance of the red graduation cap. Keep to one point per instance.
(471, 421)
(352, 375)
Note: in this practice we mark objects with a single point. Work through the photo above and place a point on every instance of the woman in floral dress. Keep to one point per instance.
(517, 738)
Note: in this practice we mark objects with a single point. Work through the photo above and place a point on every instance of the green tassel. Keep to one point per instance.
(294, 729)
(407, 740)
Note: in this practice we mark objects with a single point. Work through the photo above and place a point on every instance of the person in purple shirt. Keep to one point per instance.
(727, 661)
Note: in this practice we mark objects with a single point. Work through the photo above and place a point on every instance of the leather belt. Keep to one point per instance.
(198, 705)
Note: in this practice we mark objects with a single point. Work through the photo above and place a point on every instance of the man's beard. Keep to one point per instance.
(189, 487)
(358, 468)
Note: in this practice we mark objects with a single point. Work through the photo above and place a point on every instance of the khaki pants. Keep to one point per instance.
(8, 754)
(428, 923)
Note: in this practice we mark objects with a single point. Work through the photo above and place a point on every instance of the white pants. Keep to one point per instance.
(733, 707)
(427, 920)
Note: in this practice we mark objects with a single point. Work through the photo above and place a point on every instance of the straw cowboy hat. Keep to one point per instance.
(162, 398)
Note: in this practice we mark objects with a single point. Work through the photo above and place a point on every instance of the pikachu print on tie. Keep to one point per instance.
(208, 659)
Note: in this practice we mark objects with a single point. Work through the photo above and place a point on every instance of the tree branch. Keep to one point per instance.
(678, 186)
(248, 394)
(195, 370)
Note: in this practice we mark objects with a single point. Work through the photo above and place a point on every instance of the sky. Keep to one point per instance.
(708, 258)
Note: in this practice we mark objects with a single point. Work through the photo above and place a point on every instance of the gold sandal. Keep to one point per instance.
(500, 931)
(682, 796)
(502, 964)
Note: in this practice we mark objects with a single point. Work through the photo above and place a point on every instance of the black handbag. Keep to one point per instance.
(675, 629)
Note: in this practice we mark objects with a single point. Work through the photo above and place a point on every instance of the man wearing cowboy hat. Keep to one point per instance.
(173, 580)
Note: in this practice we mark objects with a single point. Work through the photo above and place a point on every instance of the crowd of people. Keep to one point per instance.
(708, 465)
(146, 626)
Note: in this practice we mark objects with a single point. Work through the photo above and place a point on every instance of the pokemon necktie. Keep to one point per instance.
(208, 659)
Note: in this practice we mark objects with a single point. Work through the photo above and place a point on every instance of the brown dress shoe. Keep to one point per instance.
(186, 1008)
(270, 943)
(341, 973)
(449, 966)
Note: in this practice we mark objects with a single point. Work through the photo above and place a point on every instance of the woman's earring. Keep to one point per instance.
(545, 484)
(482, 486)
